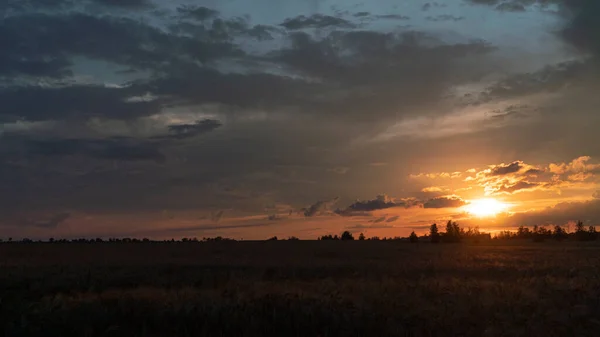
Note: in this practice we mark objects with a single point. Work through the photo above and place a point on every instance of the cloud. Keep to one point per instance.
(183, 131)
(128, 4)
(197, 12)
(560, 214)
(339, 170)
(437, 175)
(393, 16)
(435, 189)
(511, 7)
(444, 17)
(582, 29)
(217, 216)
(33, 103)
(320, 207)
(504, 169)
(577, 165)
(315, 21)
(122, 149)
(382, 201)
(521, 186)
(119, 40)
(514, 177)
(444, 202)
(52, 222)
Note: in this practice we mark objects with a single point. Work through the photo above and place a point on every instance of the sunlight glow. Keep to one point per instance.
(485, 207)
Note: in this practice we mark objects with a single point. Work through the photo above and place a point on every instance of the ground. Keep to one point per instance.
(299, 288)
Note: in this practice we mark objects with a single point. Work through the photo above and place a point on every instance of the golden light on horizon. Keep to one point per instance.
(486, 207)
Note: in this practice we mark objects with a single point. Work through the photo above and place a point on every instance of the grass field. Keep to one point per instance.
(299, 288)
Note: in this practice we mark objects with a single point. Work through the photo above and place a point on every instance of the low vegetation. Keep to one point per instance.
(301, 288)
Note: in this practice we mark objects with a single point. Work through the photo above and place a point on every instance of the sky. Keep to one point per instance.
(161, 119)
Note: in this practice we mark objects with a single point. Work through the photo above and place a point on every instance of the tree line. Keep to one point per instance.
(453, 234)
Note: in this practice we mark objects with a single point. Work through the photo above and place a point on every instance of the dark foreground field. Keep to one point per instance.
(299, 288)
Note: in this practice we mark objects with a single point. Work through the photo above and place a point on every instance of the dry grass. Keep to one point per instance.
(299, 289)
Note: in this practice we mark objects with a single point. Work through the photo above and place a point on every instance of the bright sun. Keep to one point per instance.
(485, 207)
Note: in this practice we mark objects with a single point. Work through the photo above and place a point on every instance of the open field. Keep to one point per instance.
(299, 288)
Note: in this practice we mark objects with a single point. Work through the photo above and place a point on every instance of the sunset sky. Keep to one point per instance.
(248, 119)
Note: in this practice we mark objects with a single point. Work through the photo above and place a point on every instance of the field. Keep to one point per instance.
(299, 288)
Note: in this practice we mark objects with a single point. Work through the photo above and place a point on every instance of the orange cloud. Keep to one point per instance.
(437, 175)
(434, 189)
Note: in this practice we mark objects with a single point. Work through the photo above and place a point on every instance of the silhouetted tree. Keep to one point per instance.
(347, 236)
(434, 234)
(581, 234)
(413, 238)
(274, 238)
(559, 233)
(51, 240)
(523, 232)
(293, 238)
(540, 233)
(375, 238)
(592, 233)
(361, 237)
(505, 235)
(453, 232)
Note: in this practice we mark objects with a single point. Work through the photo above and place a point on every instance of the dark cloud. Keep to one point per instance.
(521, 186)
(404, 63)
(378, 220)
(510, 7)
(393, 16)
(320, 207)
(339, 170)
(444, 17)
(121, 149)
(380, 202)
(34, 37)
(316, 21)
(23, 5)
(53, 222)
(549, 79)
(34, 103)
(392, 219)
(197, 12)
(484, 2)
(183, 131)
(217, 216)
(430, 5)
(504, 169)
(192, 85)
(128, 4)
(444, 202)
(583, 28)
